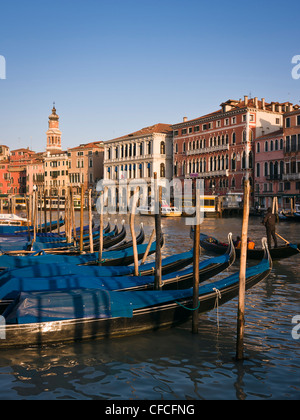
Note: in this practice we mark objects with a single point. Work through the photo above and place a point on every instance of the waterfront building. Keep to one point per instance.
(291, 176)
(140, 154)
(218, 147)
(35, 173)
(17, 170)
(86, 165)
(269, 170)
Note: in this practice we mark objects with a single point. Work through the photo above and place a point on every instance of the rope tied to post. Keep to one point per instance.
(218, 296)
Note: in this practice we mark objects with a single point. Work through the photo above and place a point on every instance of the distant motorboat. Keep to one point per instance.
(12, 220)
(166, 210)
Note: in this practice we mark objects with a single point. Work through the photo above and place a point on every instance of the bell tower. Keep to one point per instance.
(53, 133)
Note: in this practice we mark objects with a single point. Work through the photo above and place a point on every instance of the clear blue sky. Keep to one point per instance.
(115, 66)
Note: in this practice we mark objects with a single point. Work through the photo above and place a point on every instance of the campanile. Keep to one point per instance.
(53, 133)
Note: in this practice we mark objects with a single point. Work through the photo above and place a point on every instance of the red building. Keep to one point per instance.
(17, 170)
(218, 147)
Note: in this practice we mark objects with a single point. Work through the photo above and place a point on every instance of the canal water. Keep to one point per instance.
(175, 364)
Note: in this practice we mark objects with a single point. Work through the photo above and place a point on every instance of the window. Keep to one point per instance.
(183, 131)
(233, 120)
(258, 148)
(288, 122)
(196, 129)
(162, 170)
(266, 146)
(298, 119)
(258, 170)
(233, 138)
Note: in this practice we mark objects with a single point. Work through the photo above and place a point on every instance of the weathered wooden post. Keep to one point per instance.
(101, 200)
(243, 267)
(91, 222)
(195, 319)
(158, 203)
(81, 218)
(132, 230)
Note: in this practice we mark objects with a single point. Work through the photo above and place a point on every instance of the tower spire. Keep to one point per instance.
(53, 133)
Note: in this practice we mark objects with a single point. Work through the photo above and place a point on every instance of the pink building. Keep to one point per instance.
(269, 170)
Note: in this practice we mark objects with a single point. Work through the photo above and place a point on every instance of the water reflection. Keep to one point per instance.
(175, 364)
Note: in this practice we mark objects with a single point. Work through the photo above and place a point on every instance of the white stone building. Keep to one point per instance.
(139, 155)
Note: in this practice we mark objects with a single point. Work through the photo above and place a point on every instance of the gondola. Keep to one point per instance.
(213, 245)
(169, 265)
(7, 230)
(109, 258)
(55, 245)
(114, 238)
(43, 318)
(289, 217)
(11, 287)
(127, 244)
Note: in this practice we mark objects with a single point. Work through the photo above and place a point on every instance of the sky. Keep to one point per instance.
(115, 66)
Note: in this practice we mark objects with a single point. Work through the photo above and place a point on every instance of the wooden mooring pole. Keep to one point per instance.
(243, 267)
(195, 319)
(101, 198)
(81, 218)
(158, 258)
(132, 230)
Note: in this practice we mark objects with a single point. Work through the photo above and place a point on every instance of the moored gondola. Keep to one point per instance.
(12, 286)
(109, 258)
(211, 244)
(44, 318)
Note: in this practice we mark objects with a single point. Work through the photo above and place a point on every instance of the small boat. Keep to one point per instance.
(22, 227)
(114, 258)
(215, 246)
(43, 318)
(169, 211)
(169, 265)
(13, 221)
(166, 210)
(289, 217)
(11, 286)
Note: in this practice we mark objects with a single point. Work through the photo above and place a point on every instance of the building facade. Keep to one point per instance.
(218, 147)
(269, 170)
(86, 165)
(291, 176)
(141, 154)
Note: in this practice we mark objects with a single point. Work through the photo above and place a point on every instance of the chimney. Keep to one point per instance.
(246, 100)
(256, 102)
(263, 103)
(185, 119)
(273, 106)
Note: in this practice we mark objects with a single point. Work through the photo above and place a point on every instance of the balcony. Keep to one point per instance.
(291, 177)
(212, 149)
(277, 177)
(210, 174)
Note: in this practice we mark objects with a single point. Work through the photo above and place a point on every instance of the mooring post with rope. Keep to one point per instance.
(195, 321)
(243, 266)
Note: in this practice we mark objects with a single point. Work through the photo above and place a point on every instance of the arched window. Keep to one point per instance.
(233, 138)
(162, 148)
(266, 169)
(162, 170)
(258, 148)
(258, 170)
(233, 162)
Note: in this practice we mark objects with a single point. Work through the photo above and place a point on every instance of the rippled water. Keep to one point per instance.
(175, 364)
